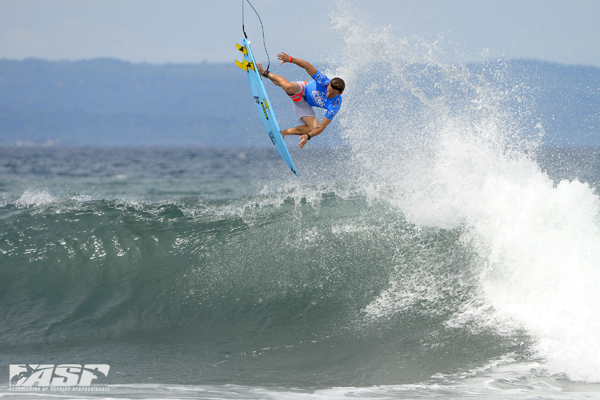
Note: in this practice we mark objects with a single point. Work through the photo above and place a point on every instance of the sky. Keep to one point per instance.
(193, 31)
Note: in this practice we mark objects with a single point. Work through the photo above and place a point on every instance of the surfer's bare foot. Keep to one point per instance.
(284, 133)
(261, 70)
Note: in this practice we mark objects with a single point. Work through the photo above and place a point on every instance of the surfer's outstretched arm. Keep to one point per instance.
(286, 58)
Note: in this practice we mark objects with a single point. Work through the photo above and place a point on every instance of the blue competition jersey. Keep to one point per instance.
(316, 95)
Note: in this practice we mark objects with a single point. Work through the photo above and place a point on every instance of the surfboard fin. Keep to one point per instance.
(242, 49)
(245, 65)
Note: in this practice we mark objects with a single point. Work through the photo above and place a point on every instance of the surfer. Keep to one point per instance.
(320, 92)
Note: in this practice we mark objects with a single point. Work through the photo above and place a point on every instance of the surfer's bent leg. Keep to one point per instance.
(310, 123)
(306, 115)
(289, 87)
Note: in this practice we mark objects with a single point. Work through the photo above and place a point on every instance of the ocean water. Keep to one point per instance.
(216, 273)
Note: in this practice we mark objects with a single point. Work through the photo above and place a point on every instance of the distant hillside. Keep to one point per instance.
(111, 103)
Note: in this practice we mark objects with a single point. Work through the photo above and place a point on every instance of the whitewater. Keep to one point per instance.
(442, 252)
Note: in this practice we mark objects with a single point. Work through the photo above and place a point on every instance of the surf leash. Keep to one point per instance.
(263, 33)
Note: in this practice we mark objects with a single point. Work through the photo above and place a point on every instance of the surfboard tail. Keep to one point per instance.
(245, 65)
(243, 49)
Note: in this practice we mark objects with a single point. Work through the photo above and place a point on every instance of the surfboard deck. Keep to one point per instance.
(263, 104)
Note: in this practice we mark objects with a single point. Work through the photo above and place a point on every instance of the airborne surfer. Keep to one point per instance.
(320, 92)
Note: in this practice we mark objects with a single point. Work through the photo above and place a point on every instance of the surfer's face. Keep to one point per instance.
(331, 92)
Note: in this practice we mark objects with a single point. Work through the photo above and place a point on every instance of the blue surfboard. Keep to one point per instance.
(262, 102)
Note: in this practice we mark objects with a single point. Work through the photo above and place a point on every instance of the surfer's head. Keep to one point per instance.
(335, 88)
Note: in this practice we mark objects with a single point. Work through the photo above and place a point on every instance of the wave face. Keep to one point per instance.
(301, 279)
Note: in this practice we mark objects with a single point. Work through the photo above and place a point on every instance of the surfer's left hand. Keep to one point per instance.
(284, 58)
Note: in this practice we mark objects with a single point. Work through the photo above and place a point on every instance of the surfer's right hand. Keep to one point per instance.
(303, 140)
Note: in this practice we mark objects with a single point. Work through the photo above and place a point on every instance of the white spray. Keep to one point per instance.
(457, 156)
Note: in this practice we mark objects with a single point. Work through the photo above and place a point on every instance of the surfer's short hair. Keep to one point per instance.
(338, 84)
